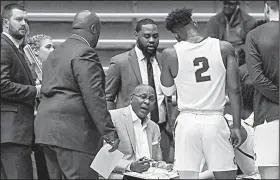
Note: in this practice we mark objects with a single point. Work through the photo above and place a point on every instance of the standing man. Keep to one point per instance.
(141, 65)
(18, 92)
(262, 60)
(200, 68)
(72, 118)
(232, 25)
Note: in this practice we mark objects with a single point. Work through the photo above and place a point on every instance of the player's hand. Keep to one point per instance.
(236, 137)
(140, 165)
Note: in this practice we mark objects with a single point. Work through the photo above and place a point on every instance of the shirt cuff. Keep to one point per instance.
(155, 143)
(38, 88)
(128, 168)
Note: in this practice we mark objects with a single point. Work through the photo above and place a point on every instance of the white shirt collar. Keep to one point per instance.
(136, 118)
(16, 43)
(140, 55)
(82, 38)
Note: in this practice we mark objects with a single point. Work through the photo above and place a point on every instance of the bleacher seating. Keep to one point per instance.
(118, 19)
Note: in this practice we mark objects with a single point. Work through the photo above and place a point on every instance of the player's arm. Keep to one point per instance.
(169, 57)
(233, 82)
(255, 68)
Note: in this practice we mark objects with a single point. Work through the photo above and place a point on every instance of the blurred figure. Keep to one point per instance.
(42, 46)
(262, 58)
(18, 93)
(73, 119)
(232, 25)
(141, 65)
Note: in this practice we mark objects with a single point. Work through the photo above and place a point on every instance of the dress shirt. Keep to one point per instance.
(141, 138)
(142, 61)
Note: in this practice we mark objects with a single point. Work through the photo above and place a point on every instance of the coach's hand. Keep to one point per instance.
(140, 165)
(236, 137)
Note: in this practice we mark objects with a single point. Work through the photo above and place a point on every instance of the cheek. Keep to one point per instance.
(143, 41)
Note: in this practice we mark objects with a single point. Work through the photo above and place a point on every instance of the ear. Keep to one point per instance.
(131, 97)
(36, 52)
(6, 23)
(136, 35)
(93, 29)
(195, 23)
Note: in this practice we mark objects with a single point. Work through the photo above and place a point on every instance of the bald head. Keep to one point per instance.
(143, 88)
(87, 24)
(85, 19)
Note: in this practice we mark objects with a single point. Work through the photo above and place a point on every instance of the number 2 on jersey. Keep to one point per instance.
(205, 67)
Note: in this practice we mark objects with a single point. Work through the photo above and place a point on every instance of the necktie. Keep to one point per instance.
(154, 113)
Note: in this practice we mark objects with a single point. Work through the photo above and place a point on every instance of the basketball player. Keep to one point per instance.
(199, 68)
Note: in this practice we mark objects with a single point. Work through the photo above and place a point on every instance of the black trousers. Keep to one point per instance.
(68, 164)
(41, 164)
(165, 144)
(16, 161)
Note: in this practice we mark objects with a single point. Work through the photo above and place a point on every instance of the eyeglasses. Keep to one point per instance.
(145, 96)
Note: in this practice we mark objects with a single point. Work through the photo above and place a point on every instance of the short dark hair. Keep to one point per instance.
(274, 5)
(178, 17)
(7, 11)
(143, 22)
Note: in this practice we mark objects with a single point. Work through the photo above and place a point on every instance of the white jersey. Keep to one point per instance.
(200, 81)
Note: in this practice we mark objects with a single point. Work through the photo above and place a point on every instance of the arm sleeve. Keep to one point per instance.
(11, 90)
(113, 83)
(255, 68)
(90, 77)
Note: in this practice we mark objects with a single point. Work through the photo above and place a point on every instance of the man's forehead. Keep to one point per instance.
(149, 28)
(18, 13)
(146, 90)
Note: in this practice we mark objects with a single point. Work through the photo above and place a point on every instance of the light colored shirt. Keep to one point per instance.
(144, 75)
(141, 138)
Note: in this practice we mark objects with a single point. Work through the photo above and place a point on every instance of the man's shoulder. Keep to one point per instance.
(170, 52)
(154, 126)
(4, 41)
(216, 18)
(116, 112)
(121, 57)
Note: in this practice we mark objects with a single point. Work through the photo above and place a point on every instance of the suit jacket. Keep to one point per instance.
(122, 120)
(122, 78)
(72, 113)
(18, 94)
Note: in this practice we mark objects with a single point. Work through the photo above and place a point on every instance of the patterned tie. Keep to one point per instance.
(154, 113)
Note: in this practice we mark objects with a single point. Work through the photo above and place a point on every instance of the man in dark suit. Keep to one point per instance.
(141, 65)
(72, 116)
(18, 92)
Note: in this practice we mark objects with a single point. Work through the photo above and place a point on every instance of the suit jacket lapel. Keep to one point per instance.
(135, 65)
(21, 58)
(129, 127)
(150, 139)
